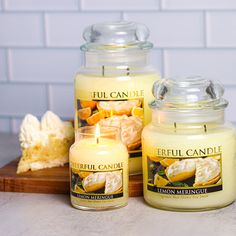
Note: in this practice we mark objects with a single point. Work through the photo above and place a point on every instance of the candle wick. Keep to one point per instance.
(175, 126)
(128, 71)
(103, 70)
(97, 139)
(205, 128)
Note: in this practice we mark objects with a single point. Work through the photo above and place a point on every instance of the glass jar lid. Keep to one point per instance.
(113, 36)
(193, 93)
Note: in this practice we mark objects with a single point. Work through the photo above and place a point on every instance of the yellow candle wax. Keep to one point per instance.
(99, 172)
(113, 86)
(130, 111)
(93, 87)
(221, 145)
(189, 150)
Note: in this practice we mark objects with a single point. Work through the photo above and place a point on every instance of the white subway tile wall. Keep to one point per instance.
(42, 5)
(218, 64)
(43, 65)
(39, 47)
(156, 59)
(230, 95)
(15, 125)
(21, 30)
(66, 29)
(19, 99)
(198, 4)
(131, 5)
(5, 125)
(61, 100)
(221, 29)
(172, 29)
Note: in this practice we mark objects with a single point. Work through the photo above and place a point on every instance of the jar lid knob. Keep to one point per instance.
(191, 93)
(111, 35)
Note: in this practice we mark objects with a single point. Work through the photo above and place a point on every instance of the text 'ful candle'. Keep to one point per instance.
(113, 88)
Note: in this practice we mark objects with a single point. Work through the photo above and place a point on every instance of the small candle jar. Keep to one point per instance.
(98, 169)
(188, 150)
(113, 86)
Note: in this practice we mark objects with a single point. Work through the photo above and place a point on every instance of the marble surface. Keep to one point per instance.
(47, 214)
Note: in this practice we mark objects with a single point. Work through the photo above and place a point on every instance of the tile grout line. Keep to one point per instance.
(80, 5)
(55, 11)
(80, 9)
(65, 48)
(7, 128)
(27, 82)
(160, 5)
(3, 5)
(12, 125)
(163, 63)
(44, 30)
(9, 64)
(48, 94)
(205, 29)
(122, 15)
(11, 116)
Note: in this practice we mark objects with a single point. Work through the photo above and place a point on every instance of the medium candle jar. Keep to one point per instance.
(113, 87)
(98, 169)
(188, 149)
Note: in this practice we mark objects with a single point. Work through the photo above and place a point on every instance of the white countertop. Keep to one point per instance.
(48, 214)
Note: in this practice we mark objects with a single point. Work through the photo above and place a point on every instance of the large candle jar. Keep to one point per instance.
(113, 87)
(188, 150)
(98, 169)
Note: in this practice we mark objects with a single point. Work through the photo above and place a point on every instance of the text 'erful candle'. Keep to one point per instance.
(98, 169)
(188, 149)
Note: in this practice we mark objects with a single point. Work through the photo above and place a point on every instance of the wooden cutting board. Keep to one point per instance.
(53, 180)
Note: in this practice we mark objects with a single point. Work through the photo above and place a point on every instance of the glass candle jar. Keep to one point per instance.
(98, 169)
(113, 86)
(188, 149)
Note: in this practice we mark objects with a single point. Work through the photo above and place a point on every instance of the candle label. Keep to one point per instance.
(185, 172)
(96, 182)
(123, 109)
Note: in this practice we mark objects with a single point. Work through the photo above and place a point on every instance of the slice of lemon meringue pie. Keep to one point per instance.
(44, 144)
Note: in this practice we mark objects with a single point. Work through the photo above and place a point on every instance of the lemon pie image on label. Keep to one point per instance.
(181, 170)
(131, 128)
(109, 108)
(188, 148)
(207, 171)
(111, 182)
(44, 144)
(94, 182)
